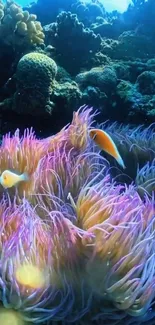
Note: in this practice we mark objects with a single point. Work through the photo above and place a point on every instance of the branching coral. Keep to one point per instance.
(19, 28)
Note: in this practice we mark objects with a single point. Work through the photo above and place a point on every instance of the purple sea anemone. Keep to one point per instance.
(90, 239)
(136, 146)
(120, 267)
(145, 179)
(54, 247)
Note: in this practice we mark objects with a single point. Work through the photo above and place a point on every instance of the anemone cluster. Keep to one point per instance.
(89, 239)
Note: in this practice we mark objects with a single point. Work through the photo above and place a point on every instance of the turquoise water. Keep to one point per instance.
(120, 5)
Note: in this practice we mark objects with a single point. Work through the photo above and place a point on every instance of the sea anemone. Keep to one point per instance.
(21, 154)
(77, 247)
(120, 267)
(145, 179)
(78, 130)
(135, 144)
(53, 250)
(60, 154)
(64, 173)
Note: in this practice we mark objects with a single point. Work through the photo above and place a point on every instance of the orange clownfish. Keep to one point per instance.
(105, 142)
(9, 179)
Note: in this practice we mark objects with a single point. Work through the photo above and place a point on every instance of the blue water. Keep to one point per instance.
(120, 5)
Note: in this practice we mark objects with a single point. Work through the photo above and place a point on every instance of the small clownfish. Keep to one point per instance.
(105, 142)
(9, 179)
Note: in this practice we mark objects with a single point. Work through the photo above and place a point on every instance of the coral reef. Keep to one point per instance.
(19, 28)
(61, 35)
(87, 12)
(146, 82)
(84, 226)
(47, 11)
(35, 77)
(67, 95)
(120, 45)
(102, 77)
(130, 44)
(97, 86)
(20, 33)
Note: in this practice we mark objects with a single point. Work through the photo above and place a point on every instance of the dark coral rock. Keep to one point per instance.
(99, 59)
(137, 45)
(7, 57)
(94, 96)
(131, 101)
(129, 45)
(131, 69)
(146, 83)
(63, 75)
(125, 90)
(66, 98)
(102, 77)
(109, 28)
(122, 70)
(139, 108)
(141, 13)
(67, 95)
(35, 78)
(75, 45)
(98, 87)
(47, 10)
(89, 11)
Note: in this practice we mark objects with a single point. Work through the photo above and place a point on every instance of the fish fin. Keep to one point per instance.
(2, 183)
(118, 156)
(94, 136)
(121, 162)
(25, 177)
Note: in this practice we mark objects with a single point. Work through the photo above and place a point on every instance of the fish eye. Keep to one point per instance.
(5, 177)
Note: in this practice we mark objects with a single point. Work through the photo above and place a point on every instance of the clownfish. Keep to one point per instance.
(105, 142)
(9, 179)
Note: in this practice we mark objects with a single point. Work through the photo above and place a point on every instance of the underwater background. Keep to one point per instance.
(77, 162)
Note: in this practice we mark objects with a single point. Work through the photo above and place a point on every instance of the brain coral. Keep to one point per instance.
(35, 76)
(18, 28)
